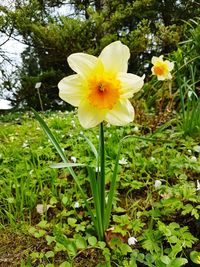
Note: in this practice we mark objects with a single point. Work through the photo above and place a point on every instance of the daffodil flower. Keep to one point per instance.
(101, 86)
(162, 68)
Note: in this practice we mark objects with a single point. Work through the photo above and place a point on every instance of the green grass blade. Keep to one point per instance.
(93, 148)
(66, 165)
(50, 135)
(54, 141)
(95, 194)
(101, 176)
(111, 191)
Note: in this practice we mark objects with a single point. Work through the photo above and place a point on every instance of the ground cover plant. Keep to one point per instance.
(43, 217)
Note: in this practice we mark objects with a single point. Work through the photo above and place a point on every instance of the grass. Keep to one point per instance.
(43, 220)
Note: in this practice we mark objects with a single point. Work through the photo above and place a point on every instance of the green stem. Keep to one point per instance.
(101, 181)
(111, 191)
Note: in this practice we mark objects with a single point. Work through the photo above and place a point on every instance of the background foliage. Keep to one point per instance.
(52, 30)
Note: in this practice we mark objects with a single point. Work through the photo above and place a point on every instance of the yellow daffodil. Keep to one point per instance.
(101, 86)
(162, 68)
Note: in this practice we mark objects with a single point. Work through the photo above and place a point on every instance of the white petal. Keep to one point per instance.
(71, 89)
(121, 114)
(82, 63)
(115, 57)
(168, 76)
(130, 83)
(154, 59)
(170, 65)
(161, 78)
(89, 116)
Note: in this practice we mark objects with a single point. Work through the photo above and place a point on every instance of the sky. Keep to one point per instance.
(13, 50)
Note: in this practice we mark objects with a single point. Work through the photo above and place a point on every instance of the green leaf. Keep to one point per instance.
(165, 259)
(195, 257)
(164, 229)
(101, 244)
(72, 221)
(49, 254)
(43, 224)
(103, 265)
(53, 200)
(140, 257)
(39, 234)
(50, 239)
(65, 200)
(32, 230)
(173, 239)
(80, 228)
(112, 189)
(71, 248)
(65, 264)
(92, 240)
(178, 262)
(65, 165)
(97, 204)
(93, 148)
(125, 249)
(80, 242)
(35, 255)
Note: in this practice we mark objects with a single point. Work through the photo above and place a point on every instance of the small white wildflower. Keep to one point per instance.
(98, 169)
(136, 129)
(106, 199)
(198, 185)
(73, 123)
(76, 205)
(25, 144)
(190, 93)
(193, 159)
(73, 159)
(81, 133)
(123, 161)
(132, 240)
(41, 208)
(157, 183)
(152, 159)
(196, 149)
(12, 138)
(38, 85)
(97, 136)
(189, 151)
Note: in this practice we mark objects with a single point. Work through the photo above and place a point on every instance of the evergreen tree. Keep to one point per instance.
(146, 26)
